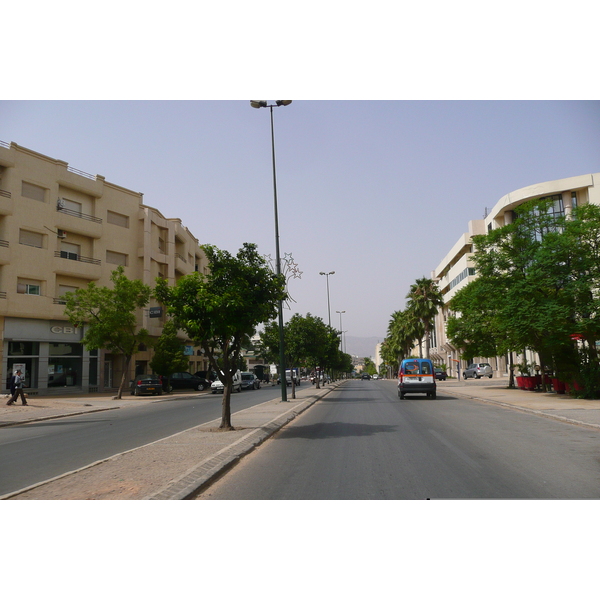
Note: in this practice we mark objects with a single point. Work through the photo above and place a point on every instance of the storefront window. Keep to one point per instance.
(93, 367)
(24, 356)
(65, 364)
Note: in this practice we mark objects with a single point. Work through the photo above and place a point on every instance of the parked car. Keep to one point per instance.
(440, 374)
(187, 381)
(478, 370)
(416, 375)
(146, 384)
(250, 381)
(218, 387)
(366, 376)
(209, 375)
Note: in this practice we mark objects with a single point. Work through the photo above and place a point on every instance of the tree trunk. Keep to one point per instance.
(226, 405)
(123, 378)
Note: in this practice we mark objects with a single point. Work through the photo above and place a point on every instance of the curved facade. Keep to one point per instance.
(457, 269)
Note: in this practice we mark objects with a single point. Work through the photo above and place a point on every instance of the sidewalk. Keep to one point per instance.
(560, 407)
(169, 469)
(176, 467)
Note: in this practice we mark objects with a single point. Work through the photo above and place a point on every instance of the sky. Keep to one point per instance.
(376, 191)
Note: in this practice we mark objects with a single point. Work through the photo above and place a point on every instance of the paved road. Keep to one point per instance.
(39, 451)
(362, 442)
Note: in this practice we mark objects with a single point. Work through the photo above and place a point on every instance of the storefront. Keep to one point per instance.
(51, 356)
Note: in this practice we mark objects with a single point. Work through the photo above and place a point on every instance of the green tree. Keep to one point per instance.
(168, 354)
(308, 343)
(424, 300)
(538, 282)
(370, 367)
(404, 329)
(110, 316)
(222, 309)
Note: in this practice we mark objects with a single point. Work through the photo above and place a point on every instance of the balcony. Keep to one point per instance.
(78, 222)
(75, 265)
(6, 203)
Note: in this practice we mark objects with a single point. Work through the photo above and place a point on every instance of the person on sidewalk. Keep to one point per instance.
(18, 390)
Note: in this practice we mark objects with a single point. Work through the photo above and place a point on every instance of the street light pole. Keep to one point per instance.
(328, 309)
(340, 312)
(283, 379)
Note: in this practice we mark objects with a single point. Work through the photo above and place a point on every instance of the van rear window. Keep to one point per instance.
(417, 368)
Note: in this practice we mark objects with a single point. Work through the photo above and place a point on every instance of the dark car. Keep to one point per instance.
(366, 376)
(187, 381)
(250, 381)
(440, 374)
(146, 384)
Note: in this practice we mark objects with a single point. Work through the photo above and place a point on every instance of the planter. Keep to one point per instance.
(559, 386)
(520, 382)
(572, 387)
(530, 383)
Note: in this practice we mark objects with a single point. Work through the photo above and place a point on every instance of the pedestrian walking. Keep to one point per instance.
(17, 390)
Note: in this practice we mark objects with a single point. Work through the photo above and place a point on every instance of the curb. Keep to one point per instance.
(531, 411)
(62, 415)
(207, 472)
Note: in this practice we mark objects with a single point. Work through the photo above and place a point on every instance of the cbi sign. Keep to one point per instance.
(64, 329)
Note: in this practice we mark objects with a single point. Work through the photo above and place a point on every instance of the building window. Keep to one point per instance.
(31, 238)
(116, 258)
(70, 206)
(574, 199)
(70, 251)
(117, 219)
(32, 288)
(35, 192)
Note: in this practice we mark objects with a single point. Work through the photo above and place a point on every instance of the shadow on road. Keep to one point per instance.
(337, 429)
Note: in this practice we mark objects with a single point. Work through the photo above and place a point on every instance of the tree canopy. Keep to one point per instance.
(223, 308)
(110, 316)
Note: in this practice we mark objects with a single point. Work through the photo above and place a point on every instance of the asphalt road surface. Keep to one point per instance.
(39, 451)
(363, 442)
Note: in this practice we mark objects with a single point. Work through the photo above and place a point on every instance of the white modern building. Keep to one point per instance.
(457, 269)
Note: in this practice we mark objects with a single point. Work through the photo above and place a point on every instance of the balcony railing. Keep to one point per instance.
(76, 213)
(5, 193)
(3, 243)
(2, 294)
(82, 173)
(180, 257)
(74, 256)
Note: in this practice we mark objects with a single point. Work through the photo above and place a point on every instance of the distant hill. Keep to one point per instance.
(361, 346)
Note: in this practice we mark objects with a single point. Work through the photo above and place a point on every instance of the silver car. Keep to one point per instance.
(478, 370)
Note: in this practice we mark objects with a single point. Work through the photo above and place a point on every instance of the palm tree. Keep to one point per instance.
(424, 300)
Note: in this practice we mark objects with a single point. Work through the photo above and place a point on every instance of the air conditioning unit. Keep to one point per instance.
(62, 234)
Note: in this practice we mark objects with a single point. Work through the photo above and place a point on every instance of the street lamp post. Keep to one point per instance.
(264, 104)
(328, 309)
(340, 312)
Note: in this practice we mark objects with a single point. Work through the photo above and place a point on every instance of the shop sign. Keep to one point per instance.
(69, 330)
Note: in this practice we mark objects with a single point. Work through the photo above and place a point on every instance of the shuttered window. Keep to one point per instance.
(116, 258)
(31, 238)
(117, 219)
(35, 192)
(29, 286)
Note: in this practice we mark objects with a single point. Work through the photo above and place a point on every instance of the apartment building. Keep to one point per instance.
(60, 229)
(457, 269)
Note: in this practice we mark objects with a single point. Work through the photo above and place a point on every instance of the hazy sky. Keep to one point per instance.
(377, 191)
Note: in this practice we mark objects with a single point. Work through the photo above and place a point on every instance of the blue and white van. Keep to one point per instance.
(416, 376)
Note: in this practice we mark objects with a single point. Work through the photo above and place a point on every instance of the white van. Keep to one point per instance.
(218, 387)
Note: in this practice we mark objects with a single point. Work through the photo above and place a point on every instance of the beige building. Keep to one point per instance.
(457, 269)
(61, 229)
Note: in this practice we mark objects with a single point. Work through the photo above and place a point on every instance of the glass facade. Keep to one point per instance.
(65, 361)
